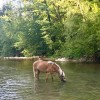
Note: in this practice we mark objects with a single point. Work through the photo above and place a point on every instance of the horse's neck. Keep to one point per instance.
(59, 69)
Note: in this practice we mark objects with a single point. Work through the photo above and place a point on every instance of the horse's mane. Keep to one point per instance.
(60, 70)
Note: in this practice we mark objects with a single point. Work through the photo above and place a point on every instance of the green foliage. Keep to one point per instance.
(65, 28)
(7, 39)
(82, 31)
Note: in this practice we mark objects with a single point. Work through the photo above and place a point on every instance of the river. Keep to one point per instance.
(17, 82)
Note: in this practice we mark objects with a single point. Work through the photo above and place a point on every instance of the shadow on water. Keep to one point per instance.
(17, 82)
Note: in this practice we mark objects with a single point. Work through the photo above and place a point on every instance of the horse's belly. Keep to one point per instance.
(42, 69)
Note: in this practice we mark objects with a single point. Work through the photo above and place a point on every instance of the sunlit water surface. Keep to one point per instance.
(17, 82)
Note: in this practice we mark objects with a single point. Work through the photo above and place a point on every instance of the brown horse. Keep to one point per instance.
(47, 67)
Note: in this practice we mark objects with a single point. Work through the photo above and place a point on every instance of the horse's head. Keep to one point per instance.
(62, 77)
(61, 74)
(59, 70)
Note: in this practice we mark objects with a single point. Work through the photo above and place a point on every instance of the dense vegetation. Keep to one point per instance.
(61, 28)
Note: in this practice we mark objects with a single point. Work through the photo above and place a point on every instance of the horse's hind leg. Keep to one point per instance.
(36, 74)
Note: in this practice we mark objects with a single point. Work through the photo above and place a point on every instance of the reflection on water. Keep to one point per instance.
(17, 82)
(48, 91)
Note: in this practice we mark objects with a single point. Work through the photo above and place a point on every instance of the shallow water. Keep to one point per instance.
(17, 82)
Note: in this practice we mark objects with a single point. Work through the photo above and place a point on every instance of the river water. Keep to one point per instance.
(17, 82)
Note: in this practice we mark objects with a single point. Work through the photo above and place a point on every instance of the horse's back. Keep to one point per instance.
(45, 66)
(40, 65)
(35, 64)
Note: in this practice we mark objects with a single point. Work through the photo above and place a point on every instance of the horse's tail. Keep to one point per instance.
(35, 67)
(35, 64)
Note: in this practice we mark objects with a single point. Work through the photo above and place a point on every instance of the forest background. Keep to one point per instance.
(52, 28)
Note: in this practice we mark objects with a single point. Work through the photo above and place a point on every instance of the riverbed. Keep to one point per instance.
(17, 82)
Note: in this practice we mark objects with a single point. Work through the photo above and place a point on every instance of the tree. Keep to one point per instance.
(54, 28)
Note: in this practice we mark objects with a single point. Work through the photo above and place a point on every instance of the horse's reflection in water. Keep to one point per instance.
(49, 68)
(45, 90)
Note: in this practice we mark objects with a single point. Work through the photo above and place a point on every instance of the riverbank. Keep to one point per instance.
(19, 58)
(83, 60)
(63, 59)
(27, 58)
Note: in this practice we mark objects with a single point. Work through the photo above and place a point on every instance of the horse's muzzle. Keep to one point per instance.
(63, 79)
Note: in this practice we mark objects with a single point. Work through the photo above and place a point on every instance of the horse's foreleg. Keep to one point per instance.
(47, 75)
(52, 76)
